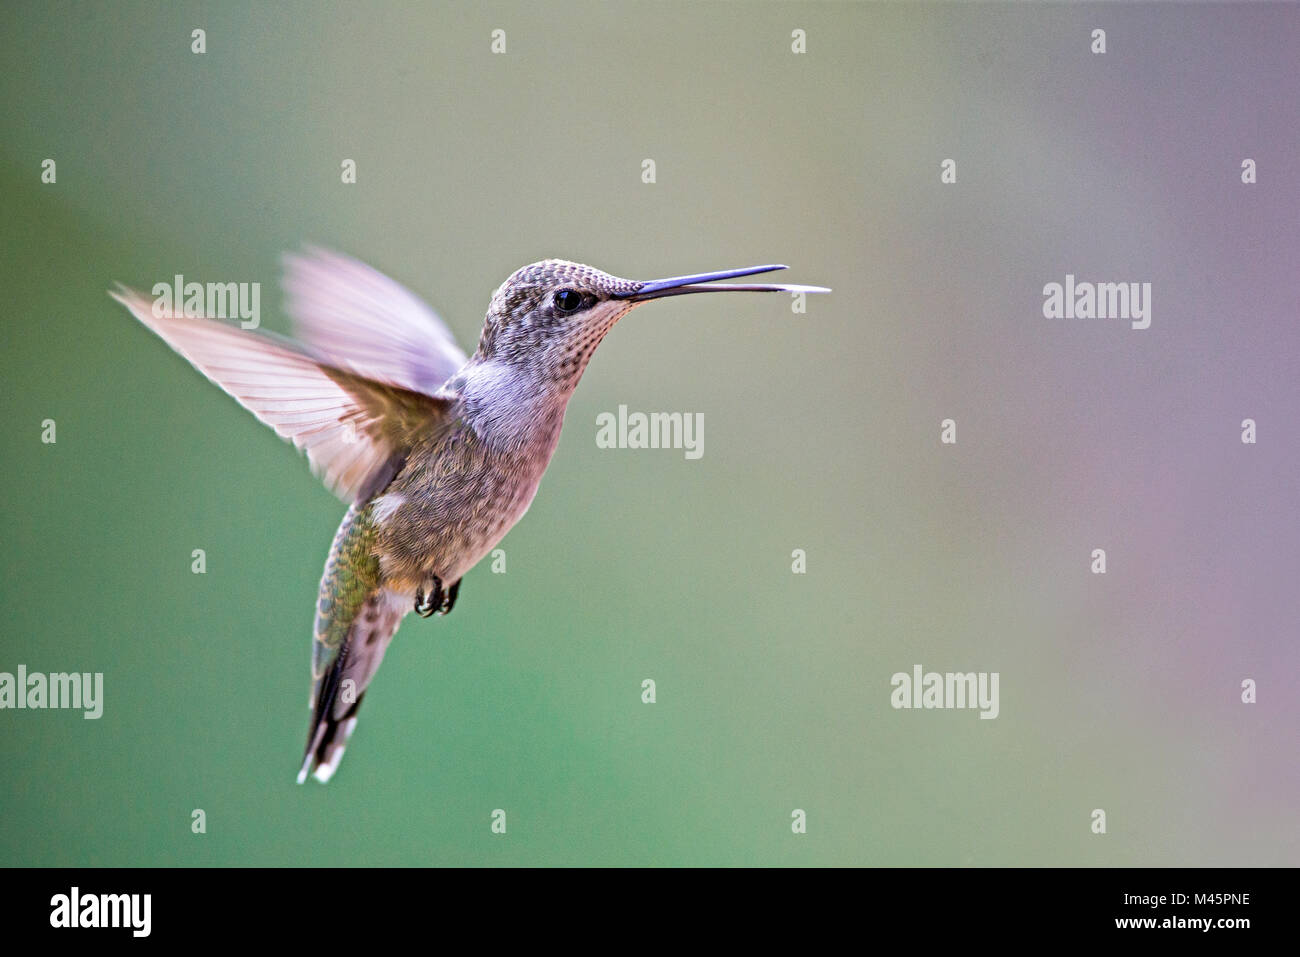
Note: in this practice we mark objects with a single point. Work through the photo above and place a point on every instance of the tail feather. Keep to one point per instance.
(325, 747)
(339, 691)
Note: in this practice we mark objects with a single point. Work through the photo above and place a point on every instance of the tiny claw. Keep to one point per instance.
(433, 603)
(449, 600)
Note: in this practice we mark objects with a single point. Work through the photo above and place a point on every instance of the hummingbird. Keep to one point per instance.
(437, 455)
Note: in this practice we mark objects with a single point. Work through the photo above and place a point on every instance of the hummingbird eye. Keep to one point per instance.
(568, 301)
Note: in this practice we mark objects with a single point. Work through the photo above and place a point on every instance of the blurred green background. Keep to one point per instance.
(821, 433)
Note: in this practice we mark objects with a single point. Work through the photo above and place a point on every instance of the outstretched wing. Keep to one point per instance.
(356, 430)
(344, 310)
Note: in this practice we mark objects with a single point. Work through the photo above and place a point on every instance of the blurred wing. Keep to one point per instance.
(356, 316)
(356, 431)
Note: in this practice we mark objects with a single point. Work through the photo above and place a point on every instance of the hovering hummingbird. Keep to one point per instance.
(437, 455)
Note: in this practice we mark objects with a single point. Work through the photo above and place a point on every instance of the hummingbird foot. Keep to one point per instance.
(450, 600)
(436, 601)
(427, 604)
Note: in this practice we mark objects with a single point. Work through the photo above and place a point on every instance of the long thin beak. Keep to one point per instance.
(682, 285)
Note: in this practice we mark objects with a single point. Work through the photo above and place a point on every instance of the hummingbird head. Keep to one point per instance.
(550, 316)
